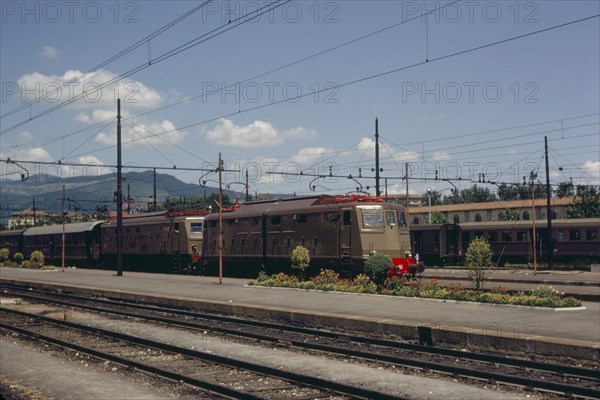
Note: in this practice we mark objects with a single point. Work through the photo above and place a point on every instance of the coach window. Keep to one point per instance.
(301, 218)
(276, 220)
(492, 237)
(456, 219)
(506, 236)
(416, 221)
(561, 235)
(574, 235)
(591, 235)
(525, 216)
(478, 235)
(521, 236)
(477, 217)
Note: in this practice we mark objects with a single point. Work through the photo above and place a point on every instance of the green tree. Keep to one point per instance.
(510, 214)
(586, 203)
(436, 218)
(37, 257)
(436, 197)
(4, 254)
(454, 198)
(300, 259)
(478, 261)
(565, 189)
(476, 194)
(507, 192)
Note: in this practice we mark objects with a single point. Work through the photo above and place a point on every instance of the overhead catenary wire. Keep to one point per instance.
(192, 43)
(108, 61)
(385, 73)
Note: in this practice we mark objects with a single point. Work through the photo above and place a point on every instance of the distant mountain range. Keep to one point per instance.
(86, 193)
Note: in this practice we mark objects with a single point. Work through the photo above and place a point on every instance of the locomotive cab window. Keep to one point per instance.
(372, 218)
(196, 227)
(390, 218)
(401, 218)
(347, 217)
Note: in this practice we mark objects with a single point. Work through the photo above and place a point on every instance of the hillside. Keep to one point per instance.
(88, 192)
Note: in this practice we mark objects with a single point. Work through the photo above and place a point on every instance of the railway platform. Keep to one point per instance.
(573, 332)
(579, 284)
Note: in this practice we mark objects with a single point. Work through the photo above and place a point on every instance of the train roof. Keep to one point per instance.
(541, 223)
(16, 232)
(300, 205)
(69, 228)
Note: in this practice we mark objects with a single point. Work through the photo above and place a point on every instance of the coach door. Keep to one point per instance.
(345, 235)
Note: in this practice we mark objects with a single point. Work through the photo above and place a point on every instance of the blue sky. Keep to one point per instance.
(449, 96)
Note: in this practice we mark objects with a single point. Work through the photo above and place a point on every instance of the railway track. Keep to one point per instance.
(227, 377)
(555, 378)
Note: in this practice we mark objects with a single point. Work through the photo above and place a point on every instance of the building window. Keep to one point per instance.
(591, 235)
(456, 219)
(416, 221)
(574, 235)
(477, 217)
(525, 216)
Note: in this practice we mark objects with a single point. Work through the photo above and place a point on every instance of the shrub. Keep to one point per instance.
(300, 259)
(37, 257)
(478, 260)
(363, 284)
(18, 258)
(325, 278)
(377, 266)
(568, 302)
(394, 283)
(4, 254)
(547, 292)
(262, 276)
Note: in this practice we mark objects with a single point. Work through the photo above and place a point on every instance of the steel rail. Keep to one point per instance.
(475, 356)
(353, 391)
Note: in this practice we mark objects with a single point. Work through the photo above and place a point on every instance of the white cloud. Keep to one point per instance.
(49, 52)
(155, 133)
(406, 156)
(37, 154)
(366, 144)
(96, 116)
(256, 134)
(441, 156)
(57, 89)
(592, 169)
(309, 154)
(25, 136)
